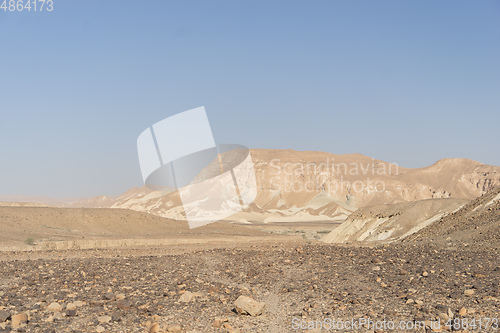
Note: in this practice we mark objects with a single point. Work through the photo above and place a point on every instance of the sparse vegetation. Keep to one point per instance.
(29, 241)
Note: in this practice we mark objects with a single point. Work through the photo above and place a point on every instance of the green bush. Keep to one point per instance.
(29, 241)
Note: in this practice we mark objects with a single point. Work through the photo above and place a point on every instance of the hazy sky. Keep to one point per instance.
(409, 82)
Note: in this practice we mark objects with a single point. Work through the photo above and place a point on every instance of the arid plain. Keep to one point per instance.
(329, 237)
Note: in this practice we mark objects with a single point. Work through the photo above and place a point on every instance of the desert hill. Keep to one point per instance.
(316, 186)
(390, 223)
(454, 221)
(476, 222)
(22, 204)
(46, 225)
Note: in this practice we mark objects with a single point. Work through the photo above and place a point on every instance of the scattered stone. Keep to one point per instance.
(155, 328)
(54, 307)
(70, 306)
(462, 312)
(18, 319)
(4, 316)
(218, 322)
(123, 304)
(443, 316)
(175, 328)
(245, 304)
(109, 296)
(104, 319)
(147, 293)
(100, 329)
(186, 297)
(71, 313)
(469, 292)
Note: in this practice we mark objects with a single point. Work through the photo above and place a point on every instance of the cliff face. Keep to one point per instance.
(312, 186)
(317, 186)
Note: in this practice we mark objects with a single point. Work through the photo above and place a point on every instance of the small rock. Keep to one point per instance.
(100, 329)
(186, 297)
(443, 316)
(469, 292)
(4, 315)
(54, 307)
(441, 308)
(71, 313)
(155, 328)
(109, 296)
(18, 319)
(104, 319)
(462, 312)
(245, 304)
(218, 322)
(450, 313)
(70, 306)
(376, 268)
(174, 328)
(123, 304)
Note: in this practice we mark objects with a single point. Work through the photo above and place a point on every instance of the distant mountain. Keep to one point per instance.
(41, 201)
(315, 186)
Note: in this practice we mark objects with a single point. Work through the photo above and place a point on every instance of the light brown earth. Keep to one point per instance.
(128, 271)
(193, 287)
(63, 228)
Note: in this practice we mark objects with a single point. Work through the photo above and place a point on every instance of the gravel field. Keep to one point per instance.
(156, 290)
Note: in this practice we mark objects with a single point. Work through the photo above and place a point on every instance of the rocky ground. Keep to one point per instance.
(154, 291)
(475, 224)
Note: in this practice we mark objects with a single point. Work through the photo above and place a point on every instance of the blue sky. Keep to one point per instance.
(408, 82)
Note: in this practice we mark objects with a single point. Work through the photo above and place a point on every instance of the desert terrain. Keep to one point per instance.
(423, 253)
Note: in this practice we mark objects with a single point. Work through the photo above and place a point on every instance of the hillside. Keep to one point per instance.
(45, 225)
(295, 186)
(477, 222)
(316, 186)
(389, 223)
